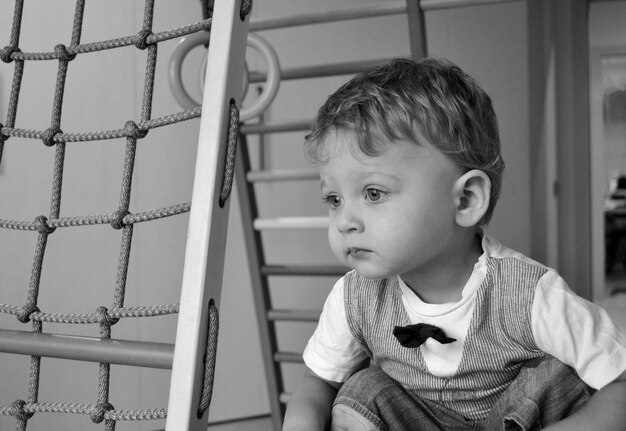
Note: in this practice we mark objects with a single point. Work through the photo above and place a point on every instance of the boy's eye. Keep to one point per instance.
(333, 201)
(373, 195)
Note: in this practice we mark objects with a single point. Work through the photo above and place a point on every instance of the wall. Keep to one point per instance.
(488, 41)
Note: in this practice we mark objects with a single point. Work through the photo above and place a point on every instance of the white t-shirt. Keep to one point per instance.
(577, 332)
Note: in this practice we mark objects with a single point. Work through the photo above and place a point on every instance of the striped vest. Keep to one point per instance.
(499, 339)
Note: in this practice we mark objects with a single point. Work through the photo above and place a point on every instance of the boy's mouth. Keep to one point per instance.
(357, 252)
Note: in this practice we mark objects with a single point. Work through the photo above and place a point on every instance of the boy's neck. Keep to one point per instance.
(444, 281)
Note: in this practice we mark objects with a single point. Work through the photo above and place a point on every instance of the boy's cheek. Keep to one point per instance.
(336, 246)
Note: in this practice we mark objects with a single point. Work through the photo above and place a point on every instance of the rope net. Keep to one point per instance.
(120, 218)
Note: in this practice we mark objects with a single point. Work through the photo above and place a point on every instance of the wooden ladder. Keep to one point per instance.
(246, 177)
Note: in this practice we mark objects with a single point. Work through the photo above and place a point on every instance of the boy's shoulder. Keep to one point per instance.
(501, 256)
(514, 273)
(496, 250)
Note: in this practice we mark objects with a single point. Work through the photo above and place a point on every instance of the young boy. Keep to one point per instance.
(461, 332)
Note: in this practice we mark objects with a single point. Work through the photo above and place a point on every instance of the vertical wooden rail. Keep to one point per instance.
(262, 302)
(206, 237)
(417, 29)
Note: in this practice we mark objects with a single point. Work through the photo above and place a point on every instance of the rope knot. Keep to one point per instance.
(49, 134)
(132, 130)
(63, 54)
(141, 39)
(20, 413)
(99, 410)
(117, 222)
(24, 315)
(3, 137)
(41, 225)
(244, 10)
(104, 318)
(6, 53)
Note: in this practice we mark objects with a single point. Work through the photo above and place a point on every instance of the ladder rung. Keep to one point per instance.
(450, 4)
(294, 315)
(360, 12)
(322, 70)
(283, 223)
(123, 352)
(283, 175)
(288, 357)
(288, 126)
(312, 270)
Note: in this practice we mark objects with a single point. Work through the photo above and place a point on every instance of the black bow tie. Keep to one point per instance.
(413, 336)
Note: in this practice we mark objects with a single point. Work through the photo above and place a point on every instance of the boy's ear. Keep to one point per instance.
(472, 193)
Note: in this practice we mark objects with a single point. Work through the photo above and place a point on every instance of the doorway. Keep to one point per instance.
(607, 103)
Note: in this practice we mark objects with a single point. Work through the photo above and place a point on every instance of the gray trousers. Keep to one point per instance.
(545, 391)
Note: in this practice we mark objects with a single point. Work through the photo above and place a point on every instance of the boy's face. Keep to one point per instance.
(392, 214)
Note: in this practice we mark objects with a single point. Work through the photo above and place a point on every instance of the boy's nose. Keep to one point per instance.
(348, 221)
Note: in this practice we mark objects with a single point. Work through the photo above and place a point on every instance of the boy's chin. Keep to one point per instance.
(372, 273)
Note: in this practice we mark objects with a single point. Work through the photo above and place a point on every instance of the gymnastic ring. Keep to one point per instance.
(187, 43)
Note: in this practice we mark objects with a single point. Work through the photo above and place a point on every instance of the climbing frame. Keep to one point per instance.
(192, 356)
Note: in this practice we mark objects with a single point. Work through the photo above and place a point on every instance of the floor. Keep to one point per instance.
(260, 423)
(252, 424)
